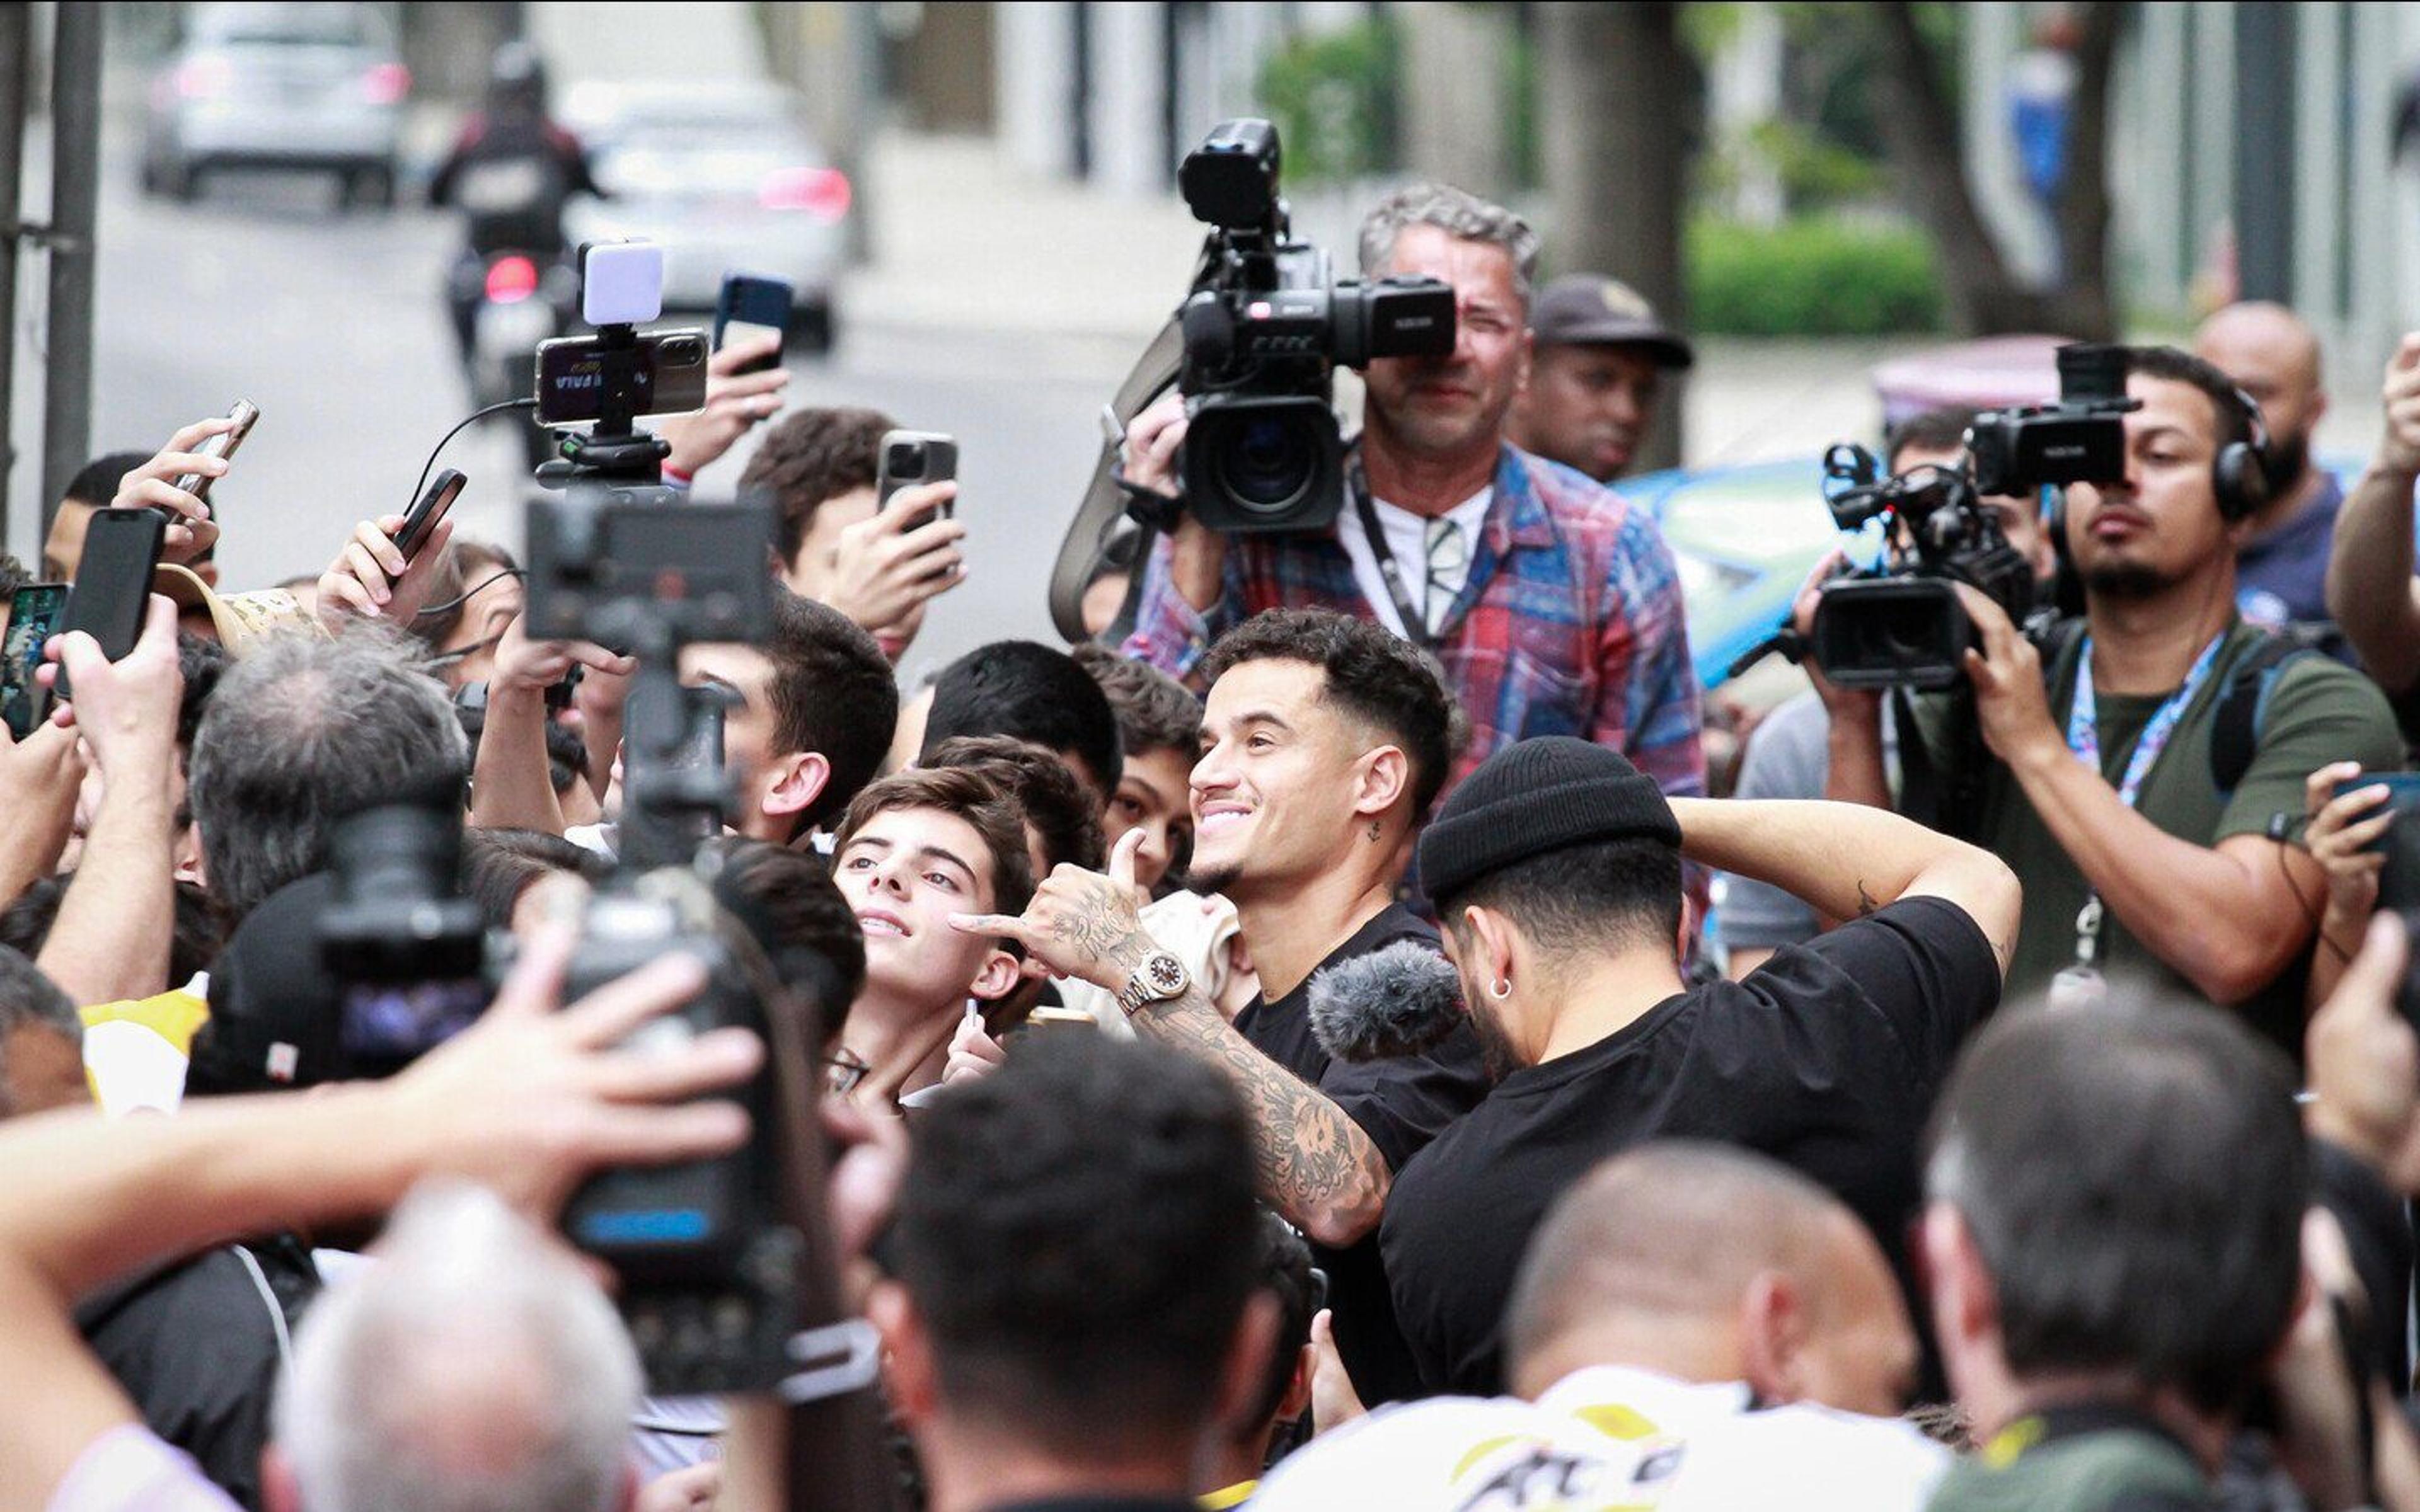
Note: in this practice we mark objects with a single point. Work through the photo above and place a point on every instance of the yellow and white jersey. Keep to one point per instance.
(1610, 1439)
(135, 1052)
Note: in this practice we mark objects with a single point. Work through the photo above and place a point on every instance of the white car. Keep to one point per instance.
(279, 85)
(726, 177)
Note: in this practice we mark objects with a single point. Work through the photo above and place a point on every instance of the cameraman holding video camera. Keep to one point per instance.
(1553, 606)
(2145, 854)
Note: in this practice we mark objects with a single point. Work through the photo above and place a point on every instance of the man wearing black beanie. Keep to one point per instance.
(1555, 869)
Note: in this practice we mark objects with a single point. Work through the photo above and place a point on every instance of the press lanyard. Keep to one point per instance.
(1415, 618)
(2083, 739)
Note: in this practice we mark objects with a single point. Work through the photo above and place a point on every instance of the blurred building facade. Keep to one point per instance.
(1112, 94)
(2311, 107)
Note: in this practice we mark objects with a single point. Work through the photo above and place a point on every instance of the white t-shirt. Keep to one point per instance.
(128, 1469)
(1610, 1436)
(1408, 539)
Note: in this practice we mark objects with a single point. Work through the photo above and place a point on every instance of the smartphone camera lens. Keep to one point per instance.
(906, 460)
(684, 350)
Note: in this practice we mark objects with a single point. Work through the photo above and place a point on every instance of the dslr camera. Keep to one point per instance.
(1264, 328)
(1902, 625)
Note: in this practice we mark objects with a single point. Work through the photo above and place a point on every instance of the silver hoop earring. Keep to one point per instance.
(1500, 989)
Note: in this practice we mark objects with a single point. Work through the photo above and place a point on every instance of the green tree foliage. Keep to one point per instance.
(1333, 96)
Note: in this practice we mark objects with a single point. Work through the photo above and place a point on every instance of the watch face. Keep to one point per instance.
(1166, 972)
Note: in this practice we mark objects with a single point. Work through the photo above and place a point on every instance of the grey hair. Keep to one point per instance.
(1458, 214)
(472, 1367)
(29, 998)
(301, 732)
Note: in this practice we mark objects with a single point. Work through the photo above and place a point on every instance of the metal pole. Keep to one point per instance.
(16, 46)
(2265, 101)
(75, 172)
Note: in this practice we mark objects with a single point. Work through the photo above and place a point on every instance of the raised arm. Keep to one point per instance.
(2370, 590)
(1845, 860)
(511, 785)
(42, 775)
(110, 942)
(527, 1102)
(1184, 597)
(1316, 1165)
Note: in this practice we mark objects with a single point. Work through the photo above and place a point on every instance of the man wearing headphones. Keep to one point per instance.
(2144, 859)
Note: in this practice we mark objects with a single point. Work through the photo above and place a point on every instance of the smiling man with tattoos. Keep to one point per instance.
(1324, 741)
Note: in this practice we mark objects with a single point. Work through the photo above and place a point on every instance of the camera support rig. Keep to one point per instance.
(610, 563)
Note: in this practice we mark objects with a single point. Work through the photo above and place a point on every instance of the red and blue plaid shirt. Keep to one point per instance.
(1570, 623)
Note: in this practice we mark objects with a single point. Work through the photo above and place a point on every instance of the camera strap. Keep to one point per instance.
(1414, 615)
(2083, 739)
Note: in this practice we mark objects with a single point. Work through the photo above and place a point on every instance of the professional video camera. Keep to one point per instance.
(718, 1259)
(1902, 625)
(1264, 330)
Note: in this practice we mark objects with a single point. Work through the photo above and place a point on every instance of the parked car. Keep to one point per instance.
(724, 176)
(316, 87)
(1744, 538)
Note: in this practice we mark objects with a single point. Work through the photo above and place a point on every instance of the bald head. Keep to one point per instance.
(2281, 338)
(1711, 1263)
(2273, 355)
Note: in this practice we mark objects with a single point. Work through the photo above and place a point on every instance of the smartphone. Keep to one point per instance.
(666, 376)
(222, 446)
(33, 612)
(2399, 881)
(442, 491)
(912, 457)
(749, 307)
(121, 550)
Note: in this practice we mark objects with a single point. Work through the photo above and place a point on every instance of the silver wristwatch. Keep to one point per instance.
(1160, 977)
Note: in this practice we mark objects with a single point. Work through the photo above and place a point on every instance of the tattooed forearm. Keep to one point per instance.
(1315, 1164)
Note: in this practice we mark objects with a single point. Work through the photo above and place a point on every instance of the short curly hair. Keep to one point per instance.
(1063, 813)
(807, 458)
(1155, 711)
(1371, 676)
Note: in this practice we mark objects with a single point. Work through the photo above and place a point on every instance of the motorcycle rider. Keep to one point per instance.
(510, 172)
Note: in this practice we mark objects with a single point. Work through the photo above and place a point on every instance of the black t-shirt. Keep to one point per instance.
(1826, 1058)
(1402, 1102)
(198, 1346)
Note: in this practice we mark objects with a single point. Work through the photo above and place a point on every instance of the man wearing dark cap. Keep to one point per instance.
(1555, 869)
(1597, 373)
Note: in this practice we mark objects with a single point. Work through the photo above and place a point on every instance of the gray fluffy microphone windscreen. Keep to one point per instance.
(1395, 1001)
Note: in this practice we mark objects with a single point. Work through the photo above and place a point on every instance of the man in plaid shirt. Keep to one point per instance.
(1553, 606)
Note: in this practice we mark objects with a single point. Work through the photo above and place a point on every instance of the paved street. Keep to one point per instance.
(332, 325)
(1000, 310)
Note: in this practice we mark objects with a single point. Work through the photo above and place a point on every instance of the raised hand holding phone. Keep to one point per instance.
(375, 578)
(888, 566)
(34, 613)
(743, 389)
(174, 483)
(223, 446)
(121, 551)
(749, 309)
(124, 702)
